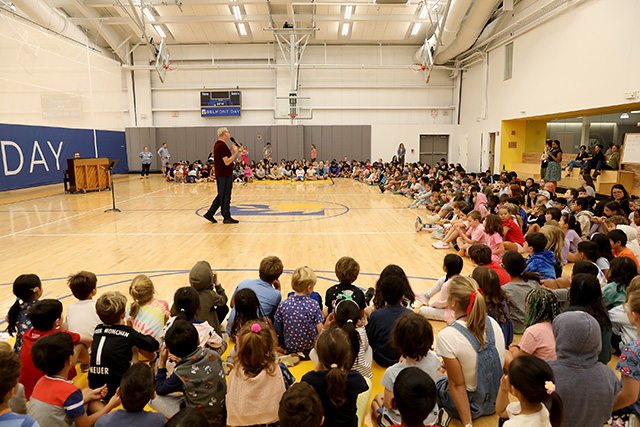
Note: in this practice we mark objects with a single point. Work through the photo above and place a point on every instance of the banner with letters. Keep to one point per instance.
(37, 155)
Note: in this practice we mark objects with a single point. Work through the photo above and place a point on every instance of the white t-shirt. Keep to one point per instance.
(539, 419)
(453, 345)
(82, 317)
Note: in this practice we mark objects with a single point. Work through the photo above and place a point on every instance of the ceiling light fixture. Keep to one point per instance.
(148, 14)
(635, 112)
(624, 115)
(345, 28)
(347, 12)
(160, 31)
(236, 12)
(416, 28)
(242, 29)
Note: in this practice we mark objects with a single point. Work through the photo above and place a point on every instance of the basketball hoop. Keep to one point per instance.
(171, 66)
(293, 116)
(417, 67)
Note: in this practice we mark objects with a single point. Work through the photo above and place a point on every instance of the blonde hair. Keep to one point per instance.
(302, 278)
(221, 131)
(555, 239)
(141, 290)
(460, 290)
(347, 269)
(514, 210)
(110, 307)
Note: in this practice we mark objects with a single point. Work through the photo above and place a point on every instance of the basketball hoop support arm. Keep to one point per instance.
(292, 43)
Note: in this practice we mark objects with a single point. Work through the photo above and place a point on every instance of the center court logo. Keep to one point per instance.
(284, 211)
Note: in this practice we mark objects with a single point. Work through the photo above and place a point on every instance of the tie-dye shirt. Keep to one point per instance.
(150, 318)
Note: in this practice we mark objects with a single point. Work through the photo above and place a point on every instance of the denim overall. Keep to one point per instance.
(482, 401)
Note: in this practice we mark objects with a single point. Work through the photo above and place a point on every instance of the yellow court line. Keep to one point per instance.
(26, 197)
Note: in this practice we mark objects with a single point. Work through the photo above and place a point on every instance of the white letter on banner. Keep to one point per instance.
(42, 161)
(17, 170)
(56, 154)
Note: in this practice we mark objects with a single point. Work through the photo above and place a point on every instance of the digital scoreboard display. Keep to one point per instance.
(220, 103)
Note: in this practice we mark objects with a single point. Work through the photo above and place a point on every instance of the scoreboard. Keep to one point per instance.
(220, 103)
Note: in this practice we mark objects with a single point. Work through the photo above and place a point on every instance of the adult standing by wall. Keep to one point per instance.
(545, 159)
(314, 153)
(267, 153)
(223, 167)
(554, 168)
(163, 152)
(401, 153)
(145, 159)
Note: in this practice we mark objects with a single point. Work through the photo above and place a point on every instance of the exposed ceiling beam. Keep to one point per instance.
(123, 20)
(108, 34)
(165, 3)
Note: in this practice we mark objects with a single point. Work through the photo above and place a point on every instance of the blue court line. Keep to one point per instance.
(160, 273)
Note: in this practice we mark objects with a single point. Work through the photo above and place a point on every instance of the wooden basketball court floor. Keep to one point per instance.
(160, 232)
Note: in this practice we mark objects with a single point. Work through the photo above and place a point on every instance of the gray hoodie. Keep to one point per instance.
(587, 387)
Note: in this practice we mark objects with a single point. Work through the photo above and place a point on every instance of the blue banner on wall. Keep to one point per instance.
(37, 155)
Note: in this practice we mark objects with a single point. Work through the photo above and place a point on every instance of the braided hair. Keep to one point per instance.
(540, 305)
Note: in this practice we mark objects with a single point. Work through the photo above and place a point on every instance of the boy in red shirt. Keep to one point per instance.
(618, 240)
(46, 318)
(480, 254)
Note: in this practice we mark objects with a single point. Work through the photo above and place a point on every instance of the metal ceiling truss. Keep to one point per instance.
(292, 40)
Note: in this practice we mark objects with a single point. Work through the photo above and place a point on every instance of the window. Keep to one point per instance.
(508, 61)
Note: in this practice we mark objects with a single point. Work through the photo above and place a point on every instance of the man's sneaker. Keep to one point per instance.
(209, 216)
(230, 221)
(440, 244)
(444, 419)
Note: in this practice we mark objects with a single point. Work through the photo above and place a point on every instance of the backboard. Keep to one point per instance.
(162, 60)
(293, 107)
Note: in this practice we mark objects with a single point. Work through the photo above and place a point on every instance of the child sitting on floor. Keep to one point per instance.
(9, 387)
(55, 399)
(81, 315)
(382, 320)
(540, 259)
(298, 319)
(438, 309)
(531, 381)
(335, 382)
(415, 395)
(28, 289)
(300, 406)
(257, 381)
(146, 314)
(198, 374)
(413, 335)
(136, 389)
(113, 341)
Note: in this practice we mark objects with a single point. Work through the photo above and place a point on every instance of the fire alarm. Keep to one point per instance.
(513, 132)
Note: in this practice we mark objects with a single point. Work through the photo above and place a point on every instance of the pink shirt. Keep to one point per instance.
(538, 340)
(477, 234)
(493, 241)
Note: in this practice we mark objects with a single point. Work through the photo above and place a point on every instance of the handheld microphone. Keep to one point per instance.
(233, 140)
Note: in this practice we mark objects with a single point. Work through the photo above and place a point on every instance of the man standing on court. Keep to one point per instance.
(163, 152)
(223, 168)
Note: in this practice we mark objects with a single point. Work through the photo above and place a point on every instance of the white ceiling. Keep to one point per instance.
(213, 21)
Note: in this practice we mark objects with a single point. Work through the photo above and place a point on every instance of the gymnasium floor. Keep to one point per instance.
(160, 232)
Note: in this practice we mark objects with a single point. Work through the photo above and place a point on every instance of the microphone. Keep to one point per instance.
(233, 140)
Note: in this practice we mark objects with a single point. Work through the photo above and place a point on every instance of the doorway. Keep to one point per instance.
(492, 151)
(433, 148)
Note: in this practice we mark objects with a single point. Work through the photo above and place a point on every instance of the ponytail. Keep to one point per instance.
(466, 292)
(186, 303)
(24, 288)
(347, 313)
(334, 354)
(533, 378)
(141, 290)
(556, 410)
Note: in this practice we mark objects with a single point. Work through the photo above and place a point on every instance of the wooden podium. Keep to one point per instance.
(86, 174)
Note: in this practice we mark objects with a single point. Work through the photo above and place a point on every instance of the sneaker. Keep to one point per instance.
(419, 221)
(568, 175)
(440, 244)
(456, 247)
(418, 225)
(444, 419)
(368, 296)
(209, 217)
(230, 221)
(289, 360)
(381, 187)
(304, 355)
